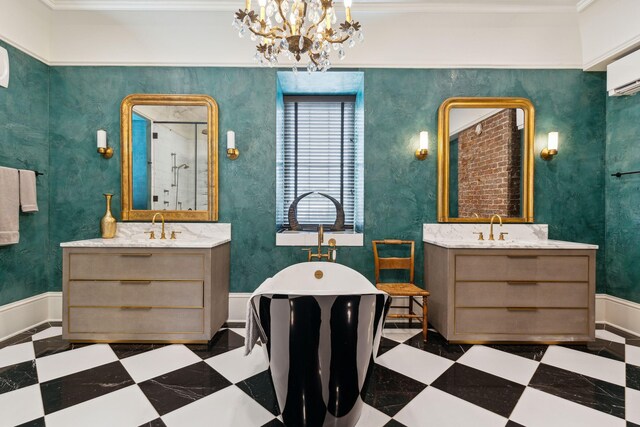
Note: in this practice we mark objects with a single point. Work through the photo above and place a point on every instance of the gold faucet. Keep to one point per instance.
(491, 227)
(153, 222)
(331, 252)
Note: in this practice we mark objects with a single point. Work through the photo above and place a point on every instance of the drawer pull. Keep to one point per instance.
(136, 255)
(136, 307)
(522, 309)
(523, 283)
(523, 256)
(135, 282)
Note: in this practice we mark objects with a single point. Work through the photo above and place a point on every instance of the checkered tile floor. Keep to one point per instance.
(45, 381)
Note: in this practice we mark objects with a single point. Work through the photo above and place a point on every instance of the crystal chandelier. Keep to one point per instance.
(302, 27)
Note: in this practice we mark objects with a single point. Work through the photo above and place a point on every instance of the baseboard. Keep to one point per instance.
(238, 306)
(619, 313)
(22, 315)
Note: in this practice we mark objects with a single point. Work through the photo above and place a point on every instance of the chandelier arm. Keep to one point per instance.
(304, 14)
(312, 27)
(284, 18)
(261, 34)
(342, 40)
(312, 59)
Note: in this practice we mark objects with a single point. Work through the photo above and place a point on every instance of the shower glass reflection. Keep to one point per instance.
(169, 157)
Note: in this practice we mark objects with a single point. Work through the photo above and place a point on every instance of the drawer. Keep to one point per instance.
(547, 321)
(522, 294)
(136, 266)
(135, 320)
(524, 268)
(136, 293)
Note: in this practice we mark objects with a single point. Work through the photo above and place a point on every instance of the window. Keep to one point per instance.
(319, 152)
(320, 148)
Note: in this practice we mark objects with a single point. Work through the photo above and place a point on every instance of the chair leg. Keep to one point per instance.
(424, 318)
(410, 311)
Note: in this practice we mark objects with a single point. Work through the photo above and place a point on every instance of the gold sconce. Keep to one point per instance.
(232, 151)
(552, 147)
(103, 148)
(423, 151)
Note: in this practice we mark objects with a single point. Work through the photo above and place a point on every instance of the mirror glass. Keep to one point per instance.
(171, 158)
(487, 159)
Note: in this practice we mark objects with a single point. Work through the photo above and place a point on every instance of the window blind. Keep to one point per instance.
(319, 155)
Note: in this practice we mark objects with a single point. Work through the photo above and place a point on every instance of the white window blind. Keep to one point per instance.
(319, 155)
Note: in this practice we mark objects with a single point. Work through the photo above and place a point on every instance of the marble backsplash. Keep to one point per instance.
(187, 230)
(521, 232)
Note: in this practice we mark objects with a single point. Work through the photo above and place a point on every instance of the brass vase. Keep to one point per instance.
(108, 222)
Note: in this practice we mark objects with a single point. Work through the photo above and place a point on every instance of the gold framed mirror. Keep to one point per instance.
(485, 159)
(169, 147)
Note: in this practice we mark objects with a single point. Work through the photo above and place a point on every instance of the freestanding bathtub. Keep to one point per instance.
(320, 324)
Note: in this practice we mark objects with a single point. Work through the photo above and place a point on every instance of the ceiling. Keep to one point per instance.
(521, 34)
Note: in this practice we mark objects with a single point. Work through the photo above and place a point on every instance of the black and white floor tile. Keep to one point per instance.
(45, 381)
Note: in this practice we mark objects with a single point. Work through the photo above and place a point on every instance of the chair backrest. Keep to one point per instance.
(393, 263)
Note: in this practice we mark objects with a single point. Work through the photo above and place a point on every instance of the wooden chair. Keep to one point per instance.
(408, 289)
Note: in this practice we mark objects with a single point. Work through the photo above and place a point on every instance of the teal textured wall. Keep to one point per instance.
(24, 144)
(400, 192)
(623, 198)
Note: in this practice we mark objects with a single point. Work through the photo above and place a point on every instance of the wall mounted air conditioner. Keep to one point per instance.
(623, 75)
(4, 67)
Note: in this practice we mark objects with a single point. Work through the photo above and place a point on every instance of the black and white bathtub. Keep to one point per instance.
(321, 325)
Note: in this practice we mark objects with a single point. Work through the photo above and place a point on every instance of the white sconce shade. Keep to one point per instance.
(552, 142)
(232, 151)
(101, 142)
(231, 139)
(424, 140)
(552, 146)
(423, 150)
(102, 138)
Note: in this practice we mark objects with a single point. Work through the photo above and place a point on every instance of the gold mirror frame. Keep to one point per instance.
(443, 154)
(126, 109)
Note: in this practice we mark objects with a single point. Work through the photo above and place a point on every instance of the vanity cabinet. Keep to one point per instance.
(511, 295)
(145, 294)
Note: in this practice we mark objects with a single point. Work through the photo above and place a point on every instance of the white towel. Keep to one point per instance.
(28, 193)
(253, 330)
(9, 206)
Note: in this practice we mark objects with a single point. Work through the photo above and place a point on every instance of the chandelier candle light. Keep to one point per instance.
(297, 28)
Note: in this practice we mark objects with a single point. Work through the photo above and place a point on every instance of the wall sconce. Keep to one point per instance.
(423, 151)
(232, 151)
(552, 147)
(106, 151)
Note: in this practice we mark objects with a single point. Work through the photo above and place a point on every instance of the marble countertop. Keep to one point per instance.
(131, 235)
(509, 244)
(520, 236)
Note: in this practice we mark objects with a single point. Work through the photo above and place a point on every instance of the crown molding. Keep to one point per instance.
(487, 7)
(358, 66)
(25, 50)
(583, 4)
(600, 63)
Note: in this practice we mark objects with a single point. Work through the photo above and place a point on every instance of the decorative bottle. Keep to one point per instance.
(108, 222)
